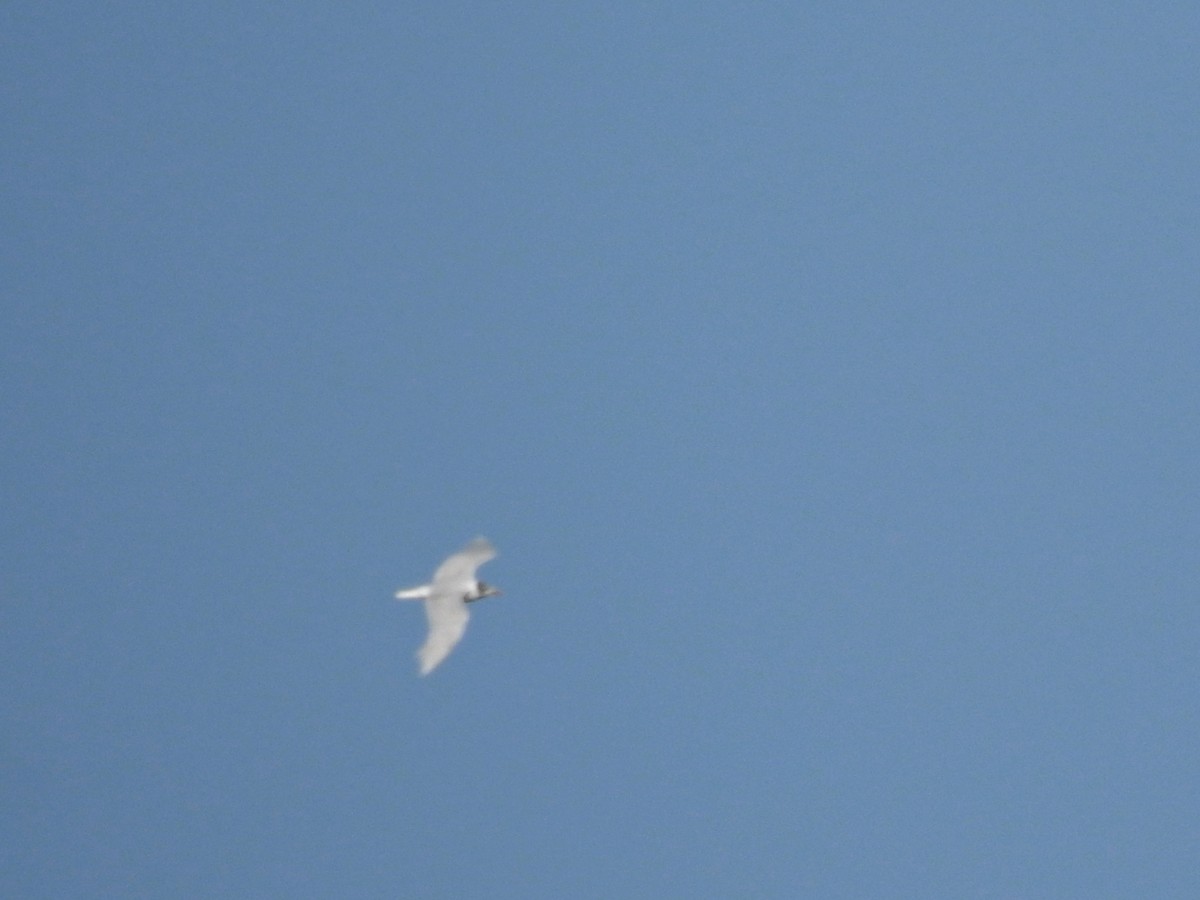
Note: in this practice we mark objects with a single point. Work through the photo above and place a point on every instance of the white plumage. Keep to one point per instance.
(454, 585)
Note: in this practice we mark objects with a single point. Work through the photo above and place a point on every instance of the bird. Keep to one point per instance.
(454, 585)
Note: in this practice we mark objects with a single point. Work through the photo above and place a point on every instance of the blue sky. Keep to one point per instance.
(825, 374)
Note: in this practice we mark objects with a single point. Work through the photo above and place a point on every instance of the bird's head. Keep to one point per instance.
(482, 589)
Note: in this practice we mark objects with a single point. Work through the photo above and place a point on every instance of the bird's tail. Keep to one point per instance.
(417, 593)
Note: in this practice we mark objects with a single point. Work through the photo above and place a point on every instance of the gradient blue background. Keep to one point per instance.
(826, 374)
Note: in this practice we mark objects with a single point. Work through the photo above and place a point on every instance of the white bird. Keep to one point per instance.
(454, 586)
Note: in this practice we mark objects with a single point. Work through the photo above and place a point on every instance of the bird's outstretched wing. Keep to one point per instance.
(447, 614)
(458, 571)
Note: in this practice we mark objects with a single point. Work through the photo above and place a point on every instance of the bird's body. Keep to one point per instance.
(454, 585)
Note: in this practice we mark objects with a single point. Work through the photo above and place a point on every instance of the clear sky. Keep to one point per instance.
(827, 375)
